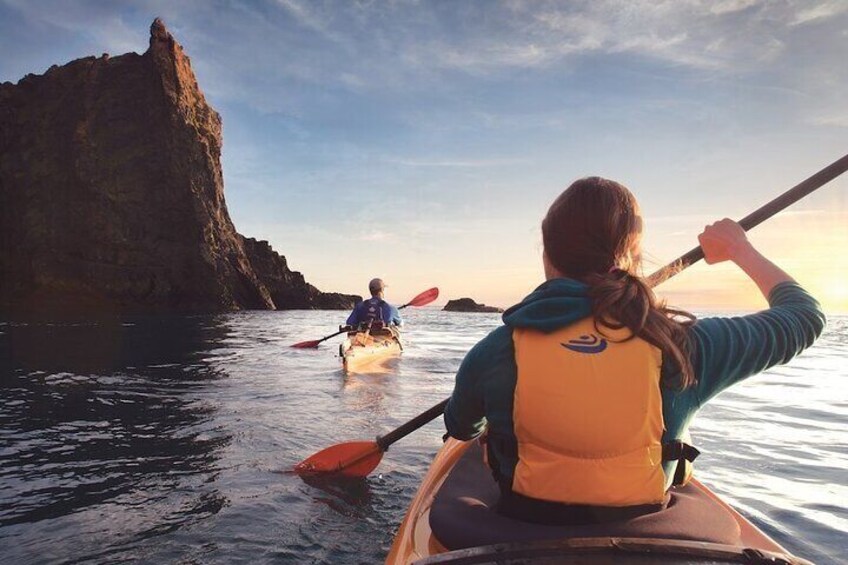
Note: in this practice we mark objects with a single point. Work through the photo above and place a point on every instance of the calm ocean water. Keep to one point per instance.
(166, 440)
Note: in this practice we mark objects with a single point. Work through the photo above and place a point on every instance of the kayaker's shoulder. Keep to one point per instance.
(498, 338)
(493, 347)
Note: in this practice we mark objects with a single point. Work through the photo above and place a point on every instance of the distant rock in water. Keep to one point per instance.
(468, 305)
(112, 196)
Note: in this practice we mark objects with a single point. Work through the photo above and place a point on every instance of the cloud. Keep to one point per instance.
(376, 235)
(832, 120)
(301, 58)
(730, 6)
(819, 12)
(105, 28)
(701, 34)
(469, 163)
(311, 19)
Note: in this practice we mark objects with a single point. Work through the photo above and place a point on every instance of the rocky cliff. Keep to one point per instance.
(468, 305)
(288, 289)
(112, 196)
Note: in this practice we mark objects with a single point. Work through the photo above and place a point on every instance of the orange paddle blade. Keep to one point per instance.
(307, 344)
(425, 297)
(352, 459)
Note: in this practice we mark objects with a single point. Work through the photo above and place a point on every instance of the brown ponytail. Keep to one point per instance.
(592, 233)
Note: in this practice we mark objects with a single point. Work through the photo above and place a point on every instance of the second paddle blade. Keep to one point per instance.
(425, 297)
(352, 459)
(307, 344)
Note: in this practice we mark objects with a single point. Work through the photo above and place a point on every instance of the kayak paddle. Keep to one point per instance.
(358, 459)
(421, 299)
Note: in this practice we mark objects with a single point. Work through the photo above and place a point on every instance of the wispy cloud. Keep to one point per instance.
(297, 57)
(832, 120)
(105, 28)
(464, 163)
(311, 19)
(376, 235)
(819, 11)
(721, 7)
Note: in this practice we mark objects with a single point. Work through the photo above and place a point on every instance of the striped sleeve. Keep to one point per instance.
(728, 350)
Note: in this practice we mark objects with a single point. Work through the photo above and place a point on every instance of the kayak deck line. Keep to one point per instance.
(416, 541)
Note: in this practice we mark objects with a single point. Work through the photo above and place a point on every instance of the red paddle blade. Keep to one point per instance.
(307, 344)
(352, 459)
(425, 297)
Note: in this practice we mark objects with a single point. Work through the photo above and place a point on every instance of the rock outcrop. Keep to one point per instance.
(288, 289)
(468, 305)
(112, 196)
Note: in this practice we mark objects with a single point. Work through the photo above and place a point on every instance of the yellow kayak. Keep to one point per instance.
(451, 520)
(369, 349)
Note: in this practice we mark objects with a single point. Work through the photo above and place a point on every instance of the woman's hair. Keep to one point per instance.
(592, 233)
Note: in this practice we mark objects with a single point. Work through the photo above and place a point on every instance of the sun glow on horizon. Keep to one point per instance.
(820, 267)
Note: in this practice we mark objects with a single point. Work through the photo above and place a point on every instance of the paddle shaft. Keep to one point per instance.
(424, 418)
(756, 217)
(334, 335)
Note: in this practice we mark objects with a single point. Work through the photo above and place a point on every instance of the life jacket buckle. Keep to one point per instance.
(677, 450)
(684, 454)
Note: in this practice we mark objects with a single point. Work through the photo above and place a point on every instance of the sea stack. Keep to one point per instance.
(469, 305)
(112, 195)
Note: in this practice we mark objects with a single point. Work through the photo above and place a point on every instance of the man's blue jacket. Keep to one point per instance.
(374, 309)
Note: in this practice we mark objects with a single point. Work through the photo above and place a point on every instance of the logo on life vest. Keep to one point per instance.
(586, 344)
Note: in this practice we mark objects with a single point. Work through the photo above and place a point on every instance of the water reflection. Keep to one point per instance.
(108, 414)
(347, 496)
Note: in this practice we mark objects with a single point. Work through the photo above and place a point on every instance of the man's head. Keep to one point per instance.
(376, 287)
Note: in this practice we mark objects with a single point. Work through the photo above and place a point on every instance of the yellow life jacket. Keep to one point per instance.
(588, 417)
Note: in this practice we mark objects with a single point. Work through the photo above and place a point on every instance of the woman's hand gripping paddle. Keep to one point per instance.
(425, 297)
(357, 459)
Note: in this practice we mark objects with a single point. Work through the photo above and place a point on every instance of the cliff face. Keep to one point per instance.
(111, 192)
(288, 289)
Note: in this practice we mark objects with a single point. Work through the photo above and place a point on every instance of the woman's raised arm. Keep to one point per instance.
(726, 240)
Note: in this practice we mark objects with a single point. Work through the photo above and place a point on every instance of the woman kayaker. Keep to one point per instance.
(587, 390)
(375, 309)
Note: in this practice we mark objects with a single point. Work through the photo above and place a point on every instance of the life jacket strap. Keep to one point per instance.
(496, 444)
(684, 454)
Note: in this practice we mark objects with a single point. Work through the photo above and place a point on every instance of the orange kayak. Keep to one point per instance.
(451, 520)
(363, 350)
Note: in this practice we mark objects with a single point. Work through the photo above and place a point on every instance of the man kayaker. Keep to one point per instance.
(375, 309)
(587, 390)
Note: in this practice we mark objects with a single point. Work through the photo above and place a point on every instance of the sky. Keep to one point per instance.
(422, 142)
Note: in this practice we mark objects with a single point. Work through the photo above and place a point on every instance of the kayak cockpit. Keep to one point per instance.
(453, 520)
(463, 515)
